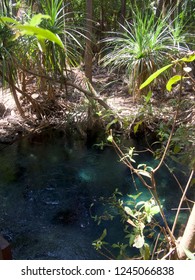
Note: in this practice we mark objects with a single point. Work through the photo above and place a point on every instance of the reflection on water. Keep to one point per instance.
(46, 189)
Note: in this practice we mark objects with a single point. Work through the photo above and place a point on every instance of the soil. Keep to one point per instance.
(111, 87)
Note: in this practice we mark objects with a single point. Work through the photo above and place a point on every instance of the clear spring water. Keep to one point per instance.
(46, 188)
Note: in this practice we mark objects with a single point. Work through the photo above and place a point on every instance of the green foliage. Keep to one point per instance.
(40, 33)
(144, 45)
(61, 24)
(152, 77)
(136, 215)
(172, 80)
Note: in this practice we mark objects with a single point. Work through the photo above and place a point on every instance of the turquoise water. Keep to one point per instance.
(47, 185)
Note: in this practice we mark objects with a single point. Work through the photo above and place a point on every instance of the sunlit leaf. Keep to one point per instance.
(36, 19)
(8, 20)
(134, 197)
(155, 75)
(141, 165)
(140, 203)
(110, 138)
(144, 173)
(129, 221)
(147, 207)
(173, 80)
(189, 58)
(135, 129)
(154, 210)
(42, 33)
(129, 211)
(139, 241)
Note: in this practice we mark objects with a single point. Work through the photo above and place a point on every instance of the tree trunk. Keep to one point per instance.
(164, 6)
(188, 239)
(122, 13)
(88, 47)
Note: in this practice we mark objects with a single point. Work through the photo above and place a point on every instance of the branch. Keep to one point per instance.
(181, 201)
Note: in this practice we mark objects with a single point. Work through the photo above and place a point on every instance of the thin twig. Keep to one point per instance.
(181, 201)
(155, 246)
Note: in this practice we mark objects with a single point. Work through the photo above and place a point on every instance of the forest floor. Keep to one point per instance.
(110, 87)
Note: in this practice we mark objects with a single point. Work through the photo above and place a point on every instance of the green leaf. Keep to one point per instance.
(188, 59)
(40, 32)
(154, 210)
(36, 19)
(8, 20)
(110, 138)
(131, 239)
(140, 203)
(176, 149)
(145, 251)
(148, 96)
(134, 197)
(111, 123)
(173, 80)
(141, 165)
(129, 211)
(135, 129)
(147, 207)
(103, 234)
(144, 173)
(192, 182)
(155, 75)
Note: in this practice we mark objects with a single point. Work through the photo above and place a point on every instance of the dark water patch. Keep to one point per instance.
(47, 185)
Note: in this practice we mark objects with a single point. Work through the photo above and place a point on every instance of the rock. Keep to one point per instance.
(2, 110)
(5, 249)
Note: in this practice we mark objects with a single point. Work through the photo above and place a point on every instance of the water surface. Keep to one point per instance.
(46, 188)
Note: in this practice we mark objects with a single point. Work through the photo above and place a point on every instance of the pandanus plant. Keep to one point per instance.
(43, 44)
(145, 44)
